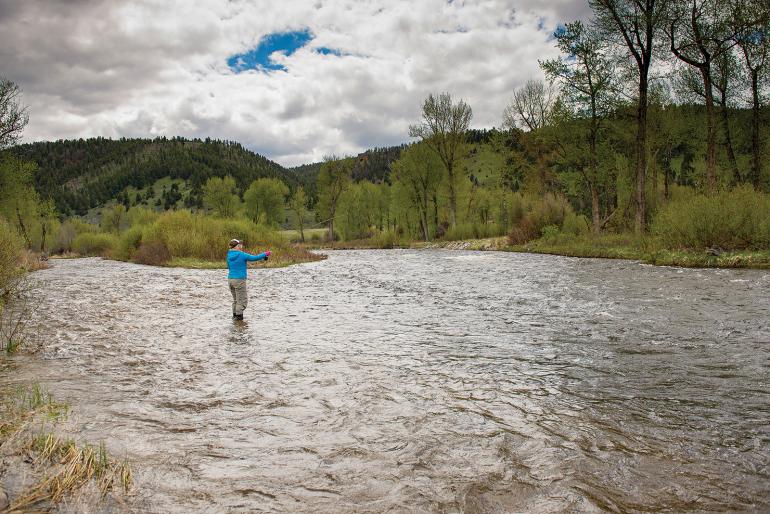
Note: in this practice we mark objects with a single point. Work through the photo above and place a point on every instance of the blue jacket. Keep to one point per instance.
(236, 262)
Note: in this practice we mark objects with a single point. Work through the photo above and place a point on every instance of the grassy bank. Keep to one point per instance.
(649, 250)
(40, 468)
(612, 246)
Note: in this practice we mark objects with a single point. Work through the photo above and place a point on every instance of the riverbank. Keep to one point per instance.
(41, 467)
(647, 250)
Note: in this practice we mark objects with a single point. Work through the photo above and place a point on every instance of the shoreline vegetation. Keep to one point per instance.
(602, 248)
(40, 467)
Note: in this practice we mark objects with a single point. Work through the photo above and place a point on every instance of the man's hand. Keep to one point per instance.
(267, 254)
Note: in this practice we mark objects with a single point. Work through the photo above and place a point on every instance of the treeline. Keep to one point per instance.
(86, 173)
(648, 105)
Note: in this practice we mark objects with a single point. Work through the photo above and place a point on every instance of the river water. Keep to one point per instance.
(420, 381)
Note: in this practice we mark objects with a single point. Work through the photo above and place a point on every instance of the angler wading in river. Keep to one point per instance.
(237, 261)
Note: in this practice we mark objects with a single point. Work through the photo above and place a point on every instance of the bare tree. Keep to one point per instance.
(634, 24)
(13, 116)
(443, 130)
(531, 106)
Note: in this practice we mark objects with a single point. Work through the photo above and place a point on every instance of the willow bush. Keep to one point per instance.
(731, 220)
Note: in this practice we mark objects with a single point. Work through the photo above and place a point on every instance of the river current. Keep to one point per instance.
(417, 381)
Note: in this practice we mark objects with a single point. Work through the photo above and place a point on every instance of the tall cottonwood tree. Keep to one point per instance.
(754, 42)
(443, 128)
(333, 180)
(586, 76)
(635, 25)
(418, 173)
(699, 31)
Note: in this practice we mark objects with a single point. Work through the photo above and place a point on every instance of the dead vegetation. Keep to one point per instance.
(57, 468)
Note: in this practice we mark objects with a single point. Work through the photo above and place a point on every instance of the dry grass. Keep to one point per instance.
(71, 467)
(60, 466)
(32, 261)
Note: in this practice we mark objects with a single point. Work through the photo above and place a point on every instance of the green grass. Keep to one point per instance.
(319, 234)
(648, 250)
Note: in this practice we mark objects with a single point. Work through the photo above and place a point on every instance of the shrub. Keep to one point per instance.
(67, 233)
(95, 244)
(522, 232)
(141, 216)
(731, 220)
(188, 235)
(575, 224)
(10, 249)
(386, 239)
(154, 253)
(129, 243)
(550, 233)
(540, 212)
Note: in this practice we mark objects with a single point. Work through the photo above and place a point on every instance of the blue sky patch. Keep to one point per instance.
(259, 58)
(328, 51)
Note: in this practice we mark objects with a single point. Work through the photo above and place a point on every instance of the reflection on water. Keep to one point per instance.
(419, 381)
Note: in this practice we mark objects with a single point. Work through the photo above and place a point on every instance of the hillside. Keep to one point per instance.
(86, 173)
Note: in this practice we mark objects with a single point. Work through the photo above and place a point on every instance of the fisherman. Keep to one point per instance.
(237, 260)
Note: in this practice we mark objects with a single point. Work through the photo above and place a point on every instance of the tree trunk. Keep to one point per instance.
(711, 143)
(22, 227)
(729, 139)
(435, 210)
(596, 217)
(641, 153)
(755, 162)
(452, 195)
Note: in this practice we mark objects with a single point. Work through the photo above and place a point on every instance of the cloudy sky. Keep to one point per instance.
(293, 80)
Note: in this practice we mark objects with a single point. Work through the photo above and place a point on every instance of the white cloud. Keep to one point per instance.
(156, 67)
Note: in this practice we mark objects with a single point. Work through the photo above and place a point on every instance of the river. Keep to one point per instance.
(421, 381)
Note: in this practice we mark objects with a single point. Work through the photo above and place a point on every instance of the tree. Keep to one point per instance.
(531, 106)
(754, 43)
(586, 76)
(13, 117)
(219, 196)
(333, 180)
(443, 130)
(114, 218)
(725, 76)
(298, 205)
(699, 32)
(418, 174)
(634, 25)
(19, 202)
(264, 200)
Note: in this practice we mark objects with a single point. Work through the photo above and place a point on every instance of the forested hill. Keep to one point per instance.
(85, 173)
(372, 165)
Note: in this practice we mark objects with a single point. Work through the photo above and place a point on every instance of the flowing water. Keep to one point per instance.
(418, 381)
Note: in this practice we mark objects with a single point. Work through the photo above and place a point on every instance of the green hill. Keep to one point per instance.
(83, 174)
